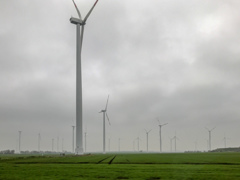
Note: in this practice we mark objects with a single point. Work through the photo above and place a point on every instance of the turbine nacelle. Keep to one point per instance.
(77, 21)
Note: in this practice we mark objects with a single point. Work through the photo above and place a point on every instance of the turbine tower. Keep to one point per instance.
(147, 137)
(160, 133)
(79, 22)
(104, 133)
(209, 137)
(39, 139)
(19, 141)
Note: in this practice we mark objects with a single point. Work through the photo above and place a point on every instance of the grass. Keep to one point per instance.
(123, 166)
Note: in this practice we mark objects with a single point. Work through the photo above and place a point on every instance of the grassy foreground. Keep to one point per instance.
(123, 166)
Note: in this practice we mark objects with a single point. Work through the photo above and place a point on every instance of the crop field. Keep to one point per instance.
(122, 166)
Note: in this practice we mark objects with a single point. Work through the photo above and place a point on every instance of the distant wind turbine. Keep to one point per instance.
(225, 141)
(19, 141)
(104, 133)
(160, 133)
(209, 136)
(147, 137)
(138, 139)
(39, 140)
(79, 22)
(175, 141)
(62, 144)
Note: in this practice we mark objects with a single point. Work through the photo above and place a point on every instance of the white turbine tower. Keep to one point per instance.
(79, 22)
(104, 133)
(160, 134)
(147, 137)
(19, 141)
(39, 141)
(210, 137)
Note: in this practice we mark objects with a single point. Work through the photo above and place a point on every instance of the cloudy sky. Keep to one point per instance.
(176, 60)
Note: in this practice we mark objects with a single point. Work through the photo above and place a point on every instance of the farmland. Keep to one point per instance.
(122, 166)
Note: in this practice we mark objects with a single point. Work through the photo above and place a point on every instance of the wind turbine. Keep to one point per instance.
(160, 133)
(104, 133)
(138, 139)
(175, 141)
(79, 22)
(39, 139)
(19, 141)
(147, 137)
(62, 144)
(209, 134)
(225, 140)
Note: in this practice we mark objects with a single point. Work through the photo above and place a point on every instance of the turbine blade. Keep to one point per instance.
(149, 131)
(88, 14)
(164, 124)
(213, 128)
(108, 119)
(106, 103)
(80, 17)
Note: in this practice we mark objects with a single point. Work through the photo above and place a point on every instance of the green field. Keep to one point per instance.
(123, 166)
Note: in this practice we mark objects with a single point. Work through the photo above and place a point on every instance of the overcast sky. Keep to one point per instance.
(176, 60)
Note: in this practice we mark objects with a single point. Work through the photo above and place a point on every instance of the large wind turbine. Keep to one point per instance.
(104, 133)
(79, 22)
(209, 134)
(147, 137)
(160, 133)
